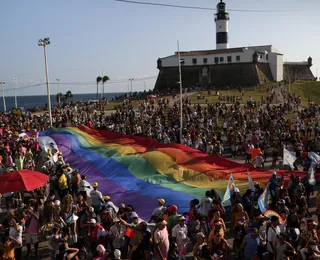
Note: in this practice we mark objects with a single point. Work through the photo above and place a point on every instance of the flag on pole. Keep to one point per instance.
(229, 189)
(263, 200)
(315, 158)
(312, 179)
(288, 158)
(251, 185)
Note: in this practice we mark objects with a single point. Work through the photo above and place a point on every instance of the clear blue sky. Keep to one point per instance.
(91, 38)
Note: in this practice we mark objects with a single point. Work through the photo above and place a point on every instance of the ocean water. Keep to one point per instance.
(29, 102)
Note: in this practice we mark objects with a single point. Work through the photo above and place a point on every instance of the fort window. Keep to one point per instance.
(216, 60)
(205, 60)
(267, 56)
(194, 61)
(238, 58)
(221, 59)
(229, 59)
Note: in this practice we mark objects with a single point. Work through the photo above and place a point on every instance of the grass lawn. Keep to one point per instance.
(307, 90)
(254, 93)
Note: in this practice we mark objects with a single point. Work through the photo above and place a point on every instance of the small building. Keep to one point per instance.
(245, 66)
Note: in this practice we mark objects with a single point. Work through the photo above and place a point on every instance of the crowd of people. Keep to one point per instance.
(79, 222)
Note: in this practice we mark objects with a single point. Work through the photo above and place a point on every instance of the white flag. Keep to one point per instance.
(251, 185)
(312, 179)
(229, 189)
(288, 158)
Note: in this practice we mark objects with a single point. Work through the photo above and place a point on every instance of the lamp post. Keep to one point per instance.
(3, 97)
(15, 92)
(58, 90)
(43, 43)
(180, 81)
(131, 85)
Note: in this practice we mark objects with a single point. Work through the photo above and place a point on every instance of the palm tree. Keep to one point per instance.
(98, 81)
(68, 94)
(104, 79)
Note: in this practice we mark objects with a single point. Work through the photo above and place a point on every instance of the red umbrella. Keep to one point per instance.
(22, 180)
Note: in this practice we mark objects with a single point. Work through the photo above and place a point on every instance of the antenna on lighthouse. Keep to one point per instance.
(221, 19)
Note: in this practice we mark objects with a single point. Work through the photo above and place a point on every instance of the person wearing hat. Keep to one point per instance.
(272, 236)
(161, 241)
(108, 204)
(117, 254)
(96, 233)
(173, 217)
(157, 212)
(180, 235)
(96, 198)
(102, 253)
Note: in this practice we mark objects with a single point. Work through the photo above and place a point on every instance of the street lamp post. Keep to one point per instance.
(131, 86)
(180, 81)
(15, 92)
(43, 43)
(58, 90)
(3, 97)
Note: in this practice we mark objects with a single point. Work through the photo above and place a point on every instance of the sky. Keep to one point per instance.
(123, 41)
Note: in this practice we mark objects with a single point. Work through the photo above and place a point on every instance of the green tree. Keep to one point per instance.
(68, 94)
(98, 81)
(64, 97)
(104, 79)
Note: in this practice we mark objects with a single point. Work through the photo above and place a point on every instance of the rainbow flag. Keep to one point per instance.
(138, 171)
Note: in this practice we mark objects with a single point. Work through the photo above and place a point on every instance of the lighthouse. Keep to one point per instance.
(221, 19)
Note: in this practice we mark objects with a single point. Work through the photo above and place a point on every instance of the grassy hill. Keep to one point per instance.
(307, 90)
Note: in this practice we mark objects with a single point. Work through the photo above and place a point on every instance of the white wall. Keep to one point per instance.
(172, 61)
(276, 66)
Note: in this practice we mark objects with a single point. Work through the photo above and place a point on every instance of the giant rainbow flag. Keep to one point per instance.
(138, 171)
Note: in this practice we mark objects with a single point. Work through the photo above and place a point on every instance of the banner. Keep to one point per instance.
(229, 189)
(263, 200)
(288, 158)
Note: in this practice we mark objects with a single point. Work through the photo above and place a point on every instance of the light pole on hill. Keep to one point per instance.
(180, 61)
(3, 97)
(131, 85)
(15, 92)
(43, 43)
(58, 90)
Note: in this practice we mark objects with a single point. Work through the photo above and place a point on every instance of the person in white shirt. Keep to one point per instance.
(157, 212)
(180, 235)
(205, 204)
(96, 198)
(272, 236)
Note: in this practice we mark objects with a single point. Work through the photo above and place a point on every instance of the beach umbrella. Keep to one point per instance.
(22, 180)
